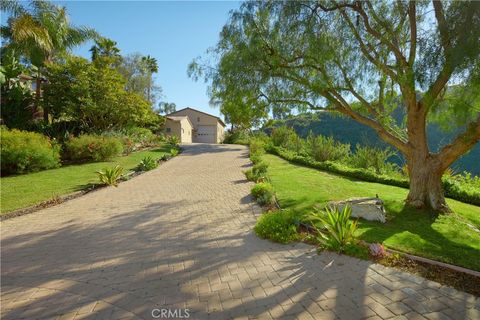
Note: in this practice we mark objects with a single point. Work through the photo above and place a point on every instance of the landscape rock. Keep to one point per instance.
(370, 209)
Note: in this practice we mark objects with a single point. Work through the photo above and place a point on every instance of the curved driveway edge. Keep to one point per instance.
(180, 237)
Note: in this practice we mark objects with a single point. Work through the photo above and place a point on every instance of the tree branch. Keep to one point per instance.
(413, 32)
(343, 107)
(464, 142)
(366, 50)
(442, 24)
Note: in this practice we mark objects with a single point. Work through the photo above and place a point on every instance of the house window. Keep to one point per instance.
(198, 119)
(169, 130)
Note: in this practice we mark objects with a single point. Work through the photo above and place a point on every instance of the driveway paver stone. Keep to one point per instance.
(180, 237)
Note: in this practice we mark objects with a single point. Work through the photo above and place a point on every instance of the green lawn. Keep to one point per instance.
(26, 190)
(443, 238)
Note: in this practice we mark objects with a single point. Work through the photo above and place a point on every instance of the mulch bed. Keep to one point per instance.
(444, 274)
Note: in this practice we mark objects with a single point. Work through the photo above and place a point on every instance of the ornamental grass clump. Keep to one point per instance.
(110, 176)
(335, 231)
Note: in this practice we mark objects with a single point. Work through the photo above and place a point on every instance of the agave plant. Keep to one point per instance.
(334, 228)
(110, 176)
(147, 163)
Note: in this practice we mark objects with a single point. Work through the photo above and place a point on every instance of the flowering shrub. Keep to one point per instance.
(92, 148)
(377, 250)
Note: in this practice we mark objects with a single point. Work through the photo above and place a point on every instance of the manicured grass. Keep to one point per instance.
(29, 189)
(444, 238)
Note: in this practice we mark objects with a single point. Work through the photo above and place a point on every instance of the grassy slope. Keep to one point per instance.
(443, 238)
(25, 190)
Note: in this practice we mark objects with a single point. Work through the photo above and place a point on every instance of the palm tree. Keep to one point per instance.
(41, 34)
(105, 47)
(151, 67)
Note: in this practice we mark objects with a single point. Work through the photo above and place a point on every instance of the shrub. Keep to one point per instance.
(174, 152)
(134, 138)
(147, 163)
(255, 158)
(284, 137)
(463, 187)
(334, 228)
(23, 151)
(143, 137)
(280, 226)
(257, 146)
(110, 176)
(173, 140)
(263, 193)
(464, 192)
(258, 171)
(372, 158)
(236, 137)
(323, 148)
(92, 148)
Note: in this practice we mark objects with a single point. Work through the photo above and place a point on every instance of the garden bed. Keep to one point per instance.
(26, 193)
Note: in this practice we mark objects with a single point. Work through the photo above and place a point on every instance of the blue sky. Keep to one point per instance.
(173, 32)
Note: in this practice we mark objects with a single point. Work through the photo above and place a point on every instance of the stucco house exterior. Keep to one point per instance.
(191, 125)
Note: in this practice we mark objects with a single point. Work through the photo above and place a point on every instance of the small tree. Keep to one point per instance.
(94, 95)
(365, 60)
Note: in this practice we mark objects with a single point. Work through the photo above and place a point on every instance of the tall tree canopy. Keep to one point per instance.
(40, 32)
(138, 71)
(363, 59)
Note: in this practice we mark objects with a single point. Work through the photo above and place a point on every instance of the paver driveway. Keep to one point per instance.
(181, 237)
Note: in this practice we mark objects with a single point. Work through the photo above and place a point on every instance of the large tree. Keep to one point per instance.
(364, 59)
(138, 71)
(93, 94)
(41, 33)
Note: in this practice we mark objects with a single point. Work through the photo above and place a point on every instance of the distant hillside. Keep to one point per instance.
(349, 131)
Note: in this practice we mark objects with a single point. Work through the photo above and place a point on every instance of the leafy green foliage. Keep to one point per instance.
(278, 226)
(110, 176)
(174, 152)
(135, 138)
(147, 164)
(17, 97)
(258, 172)
(25, 190)
(173, 140)
(323, 148)
(138, 72)
(447, 238)
(464, 190)
(334, 228)
(372, 158)
(264, 194)
(92, 148)
(360, 59)
(236, 137)
(94, 95)
(23, 151)
(463, 187)
(256, 146)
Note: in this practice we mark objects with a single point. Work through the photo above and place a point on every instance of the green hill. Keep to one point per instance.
(349, 131)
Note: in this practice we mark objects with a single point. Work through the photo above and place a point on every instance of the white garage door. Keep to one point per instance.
(206, 134)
